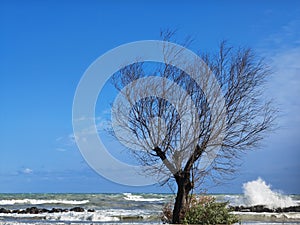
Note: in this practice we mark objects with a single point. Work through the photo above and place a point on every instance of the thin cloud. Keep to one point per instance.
(283, 49)
(65, 143)
(106, 111)
(59, 138)
(286, 37)
(27, 171)
(71, 138)
(101, 124)
(285, 86)
(84, 118)
(61, 149)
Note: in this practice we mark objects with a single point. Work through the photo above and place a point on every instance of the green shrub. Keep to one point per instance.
(205, 210)
(202, 210)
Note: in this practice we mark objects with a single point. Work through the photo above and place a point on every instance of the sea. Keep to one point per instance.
(138, 208)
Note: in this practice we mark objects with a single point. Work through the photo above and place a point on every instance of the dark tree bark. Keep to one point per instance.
(184, 187)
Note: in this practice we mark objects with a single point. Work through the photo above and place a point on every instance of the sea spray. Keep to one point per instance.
(257, 192)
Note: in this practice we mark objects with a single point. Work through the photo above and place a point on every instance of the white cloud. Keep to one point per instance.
(283, 50)
(71, 139)
(287, 36)
(27, 171)
(285, 85)
(65, 142)
(106, 111)
(103, 124)
(61, 149)
(68, 142)
(59, 138)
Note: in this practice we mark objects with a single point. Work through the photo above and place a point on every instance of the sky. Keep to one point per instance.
(46, 46)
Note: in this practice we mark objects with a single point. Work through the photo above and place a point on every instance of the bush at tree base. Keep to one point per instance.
(203, 210)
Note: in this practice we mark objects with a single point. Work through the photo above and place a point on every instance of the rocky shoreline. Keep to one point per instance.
(262, 209)
(257, 209)
(35, 210)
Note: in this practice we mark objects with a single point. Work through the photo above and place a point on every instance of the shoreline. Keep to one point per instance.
(62, 216)
(122, 208)
(241, 209)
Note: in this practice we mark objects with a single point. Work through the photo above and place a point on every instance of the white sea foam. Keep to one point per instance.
(97, 216)
(82, 216)
(138, 198)
(234, 200)
(259, 193)
(65, 216)
(41, 202)
(286, 218)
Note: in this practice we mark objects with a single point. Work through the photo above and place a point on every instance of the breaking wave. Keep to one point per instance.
(257, 192)
(139, 198)
(97, 216)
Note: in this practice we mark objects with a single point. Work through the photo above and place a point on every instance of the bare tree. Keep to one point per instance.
(182, 131)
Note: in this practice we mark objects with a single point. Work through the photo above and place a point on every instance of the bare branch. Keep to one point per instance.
(189, 142)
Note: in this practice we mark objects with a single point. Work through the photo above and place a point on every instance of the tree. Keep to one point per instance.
(185, 131)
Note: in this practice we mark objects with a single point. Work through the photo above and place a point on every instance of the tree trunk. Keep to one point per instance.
(184, 186)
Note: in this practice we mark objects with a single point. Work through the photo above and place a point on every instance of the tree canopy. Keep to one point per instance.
(187, 125)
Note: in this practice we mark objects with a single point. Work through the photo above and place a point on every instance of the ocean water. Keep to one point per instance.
(121, 208)
(128, 208)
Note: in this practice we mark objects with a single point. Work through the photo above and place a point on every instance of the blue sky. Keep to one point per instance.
(45, 47)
